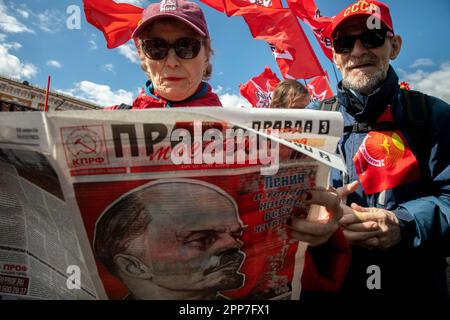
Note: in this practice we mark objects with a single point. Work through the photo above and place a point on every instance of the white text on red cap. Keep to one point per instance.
(362, 6)
(167, 5)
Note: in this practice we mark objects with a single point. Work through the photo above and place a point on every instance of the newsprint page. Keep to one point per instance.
(187, 203)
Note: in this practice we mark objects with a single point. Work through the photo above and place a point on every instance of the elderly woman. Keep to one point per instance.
(175, 50)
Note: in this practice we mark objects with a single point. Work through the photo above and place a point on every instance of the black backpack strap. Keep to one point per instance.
(416, 116)
(330, 104)
(418, 127)
(361, 127)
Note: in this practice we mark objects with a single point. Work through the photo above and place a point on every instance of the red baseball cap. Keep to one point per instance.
(364, 8)
(185, 11)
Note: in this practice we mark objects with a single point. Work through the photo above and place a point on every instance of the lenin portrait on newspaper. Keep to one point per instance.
(173, 239)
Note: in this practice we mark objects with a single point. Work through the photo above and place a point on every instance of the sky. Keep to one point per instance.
(35, 42)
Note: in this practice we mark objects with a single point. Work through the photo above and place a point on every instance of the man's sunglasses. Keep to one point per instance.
(370, 40)
(158, 49)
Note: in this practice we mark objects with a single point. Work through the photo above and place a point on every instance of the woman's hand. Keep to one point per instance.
(319, 231)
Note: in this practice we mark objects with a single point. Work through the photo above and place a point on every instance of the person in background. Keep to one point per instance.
(290, 94)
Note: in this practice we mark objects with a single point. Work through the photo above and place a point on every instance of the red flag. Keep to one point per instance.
(216, 4)
(319, 88)
(290, 46)
(384, 160)
(117, 21)
(308, 12)
(258, 90)
(229, 7)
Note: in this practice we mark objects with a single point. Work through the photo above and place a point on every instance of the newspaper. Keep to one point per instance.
(186, 203)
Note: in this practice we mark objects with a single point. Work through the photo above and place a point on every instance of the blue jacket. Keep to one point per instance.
(415, 267)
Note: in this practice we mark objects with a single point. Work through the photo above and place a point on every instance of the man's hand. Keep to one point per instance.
(344, 192)
(371, 227)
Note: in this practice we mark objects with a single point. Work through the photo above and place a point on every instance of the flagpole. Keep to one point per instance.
(335, 73)
(328, 82)
(46, 94)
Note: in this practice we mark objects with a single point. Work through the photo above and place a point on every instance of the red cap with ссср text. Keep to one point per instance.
(364, 8)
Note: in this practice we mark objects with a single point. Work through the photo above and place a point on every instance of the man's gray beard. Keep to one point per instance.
(364, 84)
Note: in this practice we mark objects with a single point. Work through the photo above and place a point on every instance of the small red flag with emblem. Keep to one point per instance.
(117, 21)
(319, 88)
(258, 90)
(384, 160)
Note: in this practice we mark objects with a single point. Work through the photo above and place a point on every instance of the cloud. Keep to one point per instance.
(230, 100)
(54, 64)
(24, 13)
(11, 66)
(21, 9)
(9, 23)
(108, 68)
(234, 101)
(100, 94)
(12, 45)
(424, 62)
(50, 20)
(28, 70)
(435, 83)
(129, 51)
(92, 45)
(218, 90)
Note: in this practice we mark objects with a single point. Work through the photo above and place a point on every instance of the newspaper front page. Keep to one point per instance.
(188, 203)
(38, 239)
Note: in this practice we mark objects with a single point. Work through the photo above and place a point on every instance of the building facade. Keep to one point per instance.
(21, 96)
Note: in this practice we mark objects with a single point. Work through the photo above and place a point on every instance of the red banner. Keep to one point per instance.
(290, 46)
(117, 21)
(258, 90)
(308, 12)
(230, 6)
(319, 88)
(281, 29)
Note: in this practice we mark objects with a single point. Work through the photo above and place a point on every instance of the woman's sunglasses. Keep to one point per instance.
(370, 40)
(158, 49)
